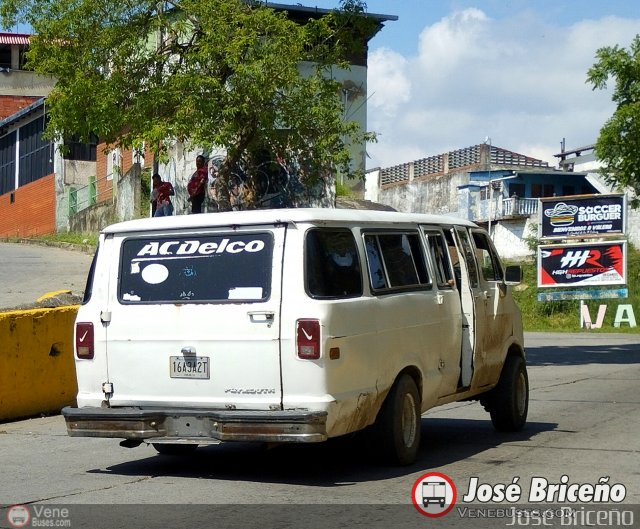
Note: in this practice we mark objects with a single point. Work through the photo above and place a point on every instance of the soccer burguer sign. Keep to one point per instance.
(582, 216)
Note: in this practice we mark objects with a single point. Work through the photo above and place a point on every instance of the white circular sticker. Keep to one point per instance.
(155, 274)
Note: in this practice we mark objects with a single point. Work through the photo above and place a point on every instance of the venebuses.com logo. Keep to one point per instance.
(18, 516)
(433, 494)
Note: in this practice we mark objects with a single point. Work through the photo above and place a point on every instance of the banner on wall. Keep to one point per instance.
(583, 264)
(582, 216)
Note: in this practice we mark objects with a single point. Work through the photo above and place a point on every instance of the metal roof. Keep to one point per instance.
(320, 11)
(20, 114)
(15, 38)
(578, 151)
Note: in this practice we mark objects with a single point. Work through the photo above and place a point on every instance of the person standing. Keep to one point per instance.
(163, 192)
(197, 185)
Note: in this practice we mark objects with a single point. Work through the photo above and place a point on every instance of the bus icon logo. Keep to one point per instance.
(434, 494)
(18, 516)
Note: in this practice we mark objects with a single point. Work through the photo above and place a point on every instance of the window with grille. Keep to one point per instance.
(35, 153)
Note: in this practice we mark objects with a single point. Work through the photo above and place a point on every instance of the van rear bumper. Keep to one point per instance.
(195, 425)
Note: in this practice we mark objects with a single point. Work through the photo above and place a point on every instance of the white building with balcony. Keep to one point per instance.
(494, 187)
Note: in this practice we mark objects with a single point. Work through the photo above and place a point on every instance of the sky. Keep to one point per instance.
(450, 74)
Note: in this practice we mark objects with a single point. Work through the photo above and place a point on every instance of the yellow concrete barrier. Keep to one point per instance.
(37, 370)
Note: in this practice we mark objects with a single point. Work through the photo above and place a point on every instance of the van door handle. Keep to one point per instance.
(486, 294)
(262, 317)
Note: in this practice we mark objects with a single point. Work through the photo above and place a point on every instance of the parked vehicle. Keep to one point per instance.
(294, 325)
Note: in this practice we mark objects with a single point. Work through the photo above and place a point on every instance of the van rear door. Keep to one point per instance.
(193, 319)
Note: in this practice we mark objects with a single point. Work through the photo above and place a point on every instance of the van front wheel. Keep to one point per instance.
(397, 428)
(508, 402)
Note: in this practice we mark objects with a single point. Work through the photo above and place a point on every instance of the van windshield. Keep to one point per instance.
(200, 268)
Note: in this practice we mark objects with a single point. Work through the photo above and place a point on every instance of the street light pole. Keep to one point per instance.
(487, 141)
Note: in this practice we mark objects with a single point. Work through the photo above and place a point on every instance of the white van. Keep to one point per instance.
(294, 325)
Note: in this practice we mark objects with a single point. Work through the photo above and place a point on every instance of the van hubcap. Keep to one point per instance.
(521, 393)
(408, 420)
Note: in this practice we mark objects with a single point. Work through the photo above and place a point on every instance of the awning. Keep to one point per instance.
(14, 38)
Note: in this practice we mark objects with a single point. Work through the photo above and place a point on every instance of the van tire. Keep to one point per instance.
(174, 449)
(508, 402)
(397, 427)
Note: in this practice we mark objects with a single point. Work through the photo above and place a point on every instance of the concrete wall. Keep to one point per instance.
(25, 83)
(37, 370)
(436, 195)
(128, 199)
(93, 219)
(508, 237)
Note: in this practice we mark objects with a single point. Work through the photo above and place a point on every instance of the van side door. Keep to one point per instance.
(498, 308)
(449, 307)
(466, 272)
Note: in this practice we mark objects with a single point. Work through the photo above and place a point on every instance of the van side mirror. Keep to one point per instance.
(513, 274)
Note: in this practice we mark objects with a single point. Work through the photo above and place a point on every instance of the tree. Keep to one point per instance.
(618, 144)
(206, 72)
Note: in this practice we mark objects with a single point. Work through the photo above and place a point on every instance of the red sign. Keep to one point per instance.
(585, 264)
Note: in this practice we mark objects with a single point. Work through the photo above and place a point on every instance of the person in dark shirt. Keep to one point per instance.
(197, 185)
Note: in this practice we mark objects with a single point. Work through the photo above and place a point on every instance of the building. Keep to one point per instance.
(44, 189)
(495, 187)
(18, 87)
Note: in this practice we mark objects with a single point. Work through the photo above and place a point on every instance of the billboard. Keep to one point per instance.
(582, 216)
(582, 264)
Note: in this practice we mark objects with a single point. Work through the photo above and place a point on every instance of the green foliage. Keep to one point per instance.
(565, 315)
(207, 72)
(342, 190)
(145, 192)
(618, 145)
(80, 239)
(531, 239)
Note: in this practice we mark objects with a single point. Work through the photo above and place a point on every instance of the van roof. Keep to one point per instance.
(277, 216)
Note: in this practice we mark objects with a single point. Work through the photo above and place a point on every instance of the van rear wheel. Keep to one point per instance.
(397, 428)
(508, 402)
(174, 449)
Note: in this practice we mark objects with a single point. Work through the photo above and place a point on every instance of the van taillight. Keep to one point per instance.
(308, 339)
(84, 340)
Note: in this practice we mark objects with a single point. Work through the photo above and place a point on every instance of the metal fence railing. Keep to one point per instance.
(96, 190)
(515, 206)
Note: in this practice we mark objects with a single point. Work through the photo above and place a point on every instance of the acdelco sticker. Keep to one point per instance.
(195, 247)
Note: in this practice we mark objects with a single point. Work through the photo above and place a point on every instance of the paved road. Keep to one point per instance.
(584, 422)
(28, 271)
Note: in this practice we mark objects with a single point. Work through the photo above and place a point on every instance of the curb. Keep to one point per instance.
(84, 248)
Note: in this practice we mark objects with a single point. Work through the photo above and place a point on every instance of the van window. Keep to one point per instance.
(332, 265)
(440, 257)
(488, 259)
(395, 260)
(88, 289)
(468, 255)
(201, 268)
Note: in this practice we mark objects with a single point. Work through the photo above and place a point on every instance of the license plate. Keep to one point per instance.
(189, 367)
